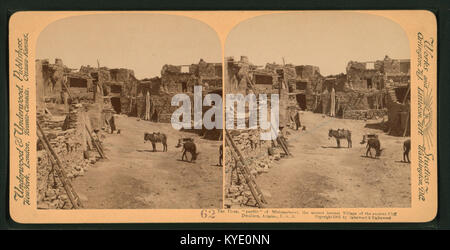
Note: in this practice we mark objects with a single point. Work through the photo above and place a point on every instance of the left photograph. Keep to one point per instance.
(104, 104)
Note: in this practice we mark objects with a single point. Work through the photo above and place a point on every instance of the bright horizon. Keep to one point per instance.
(140, 42)
(145, 42)
(325, 39)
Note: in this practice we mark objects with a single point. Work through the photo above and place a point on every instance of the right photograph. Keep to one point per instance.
(317, 112)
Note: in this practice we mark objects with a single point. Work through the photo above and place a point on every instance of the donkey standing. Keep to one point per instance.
(188, 146)
(341, 134)
(156, 137)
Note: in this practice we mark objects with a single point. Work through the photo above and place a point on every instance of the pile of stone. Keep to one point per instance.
(368, 114)
(71, 118)
(51, 193)
(68, 147)
(260, 159)
(237, 196)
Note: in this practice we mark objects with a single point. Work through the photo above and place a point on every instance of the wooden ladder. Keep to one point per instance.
(96, 143)
(58, 168)
(243, 168)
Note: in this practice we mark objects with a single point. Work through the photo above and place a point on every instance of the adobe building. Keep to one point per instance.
(49, 79)
(372, 75)
(174, 79)
(367, 90)
(183, 78)
(382, 85)
(244, 77)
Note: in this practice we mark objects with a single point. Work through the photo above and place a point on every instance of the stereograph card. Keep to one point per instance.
(223, 116)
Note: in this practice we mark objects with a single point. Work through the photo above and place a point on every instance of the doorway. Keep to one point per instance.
(301, 101)
(402, 93)
(115, 102)
(369, 83)
(184, 87)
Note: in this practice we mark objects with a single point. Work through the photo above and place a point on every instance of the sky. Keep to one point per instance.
(325, 39)
(141, 42)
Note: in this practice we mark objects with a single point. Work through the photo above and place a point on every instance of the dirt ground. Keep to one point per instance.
(322, 175)
(135, 177)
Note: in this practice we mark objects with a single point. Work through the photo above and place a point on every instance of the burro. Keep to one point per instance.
(236, 109)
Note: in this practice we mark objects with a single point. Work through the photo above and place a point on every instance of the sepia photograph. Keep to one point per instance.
(239, 116)
(342, 85)
(104, 89)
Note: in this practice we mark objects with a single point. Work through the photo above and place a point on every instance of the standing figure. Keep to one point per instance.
(147, 107)
(112, 124)
(333, 102)
(324, 98)
(406, 149)
(298, 123)
(220, 154)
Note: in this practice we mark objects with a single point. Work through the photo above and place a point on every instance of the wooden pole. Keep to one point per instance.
(97, 146)
(238, 156)
(406, 125)
(234, 169)
(409, 114)
(236, 150)
(147, 106)
(253, 189)
(66, 86)
(284, 82)
(73, 197)
(406, 95)
(283, 144)
(231, 173)
(281, 141)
